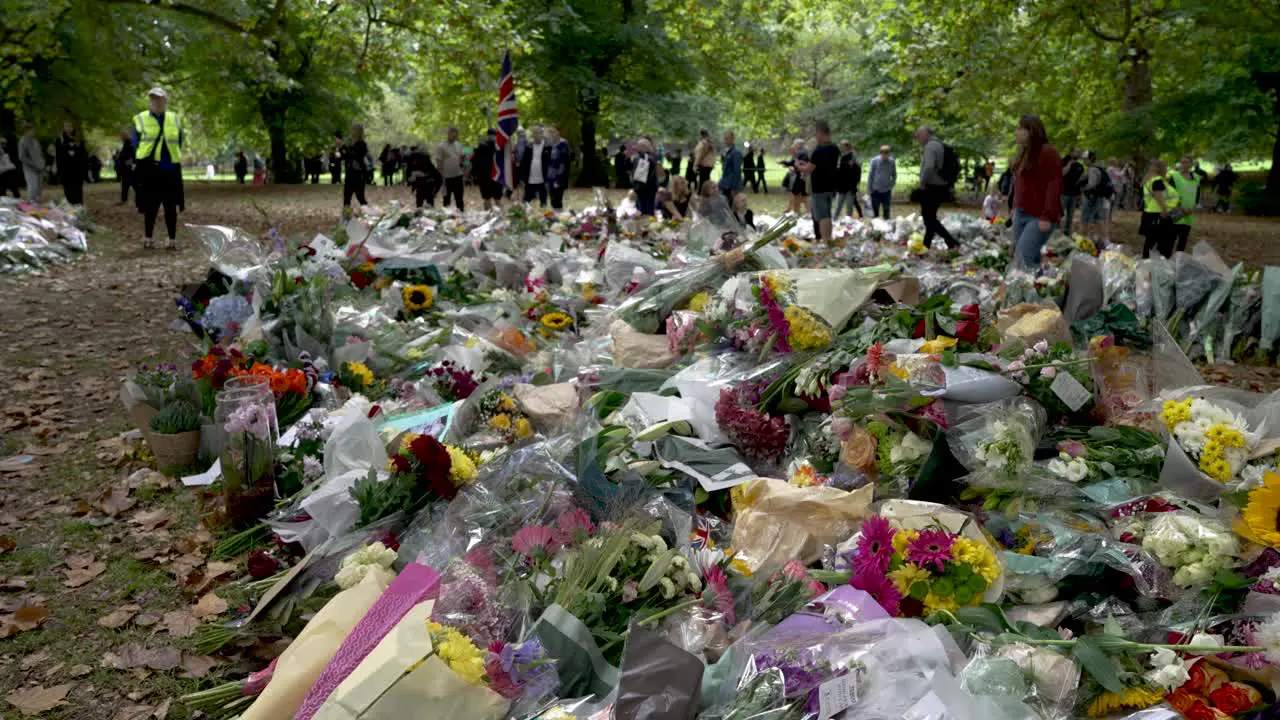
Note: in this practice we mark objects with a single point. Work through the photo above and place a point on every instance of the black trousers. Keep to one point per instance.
(1158, 234)
(453, 187)
(704, 176)
(1181, 234)
(335, 177)
(73, 188)
(425, 192)
(126, 180)
(160, 188)
(240, 177)
(353, 186)
(931, 199)
(675, 167)
(539, 190)
(557, 196)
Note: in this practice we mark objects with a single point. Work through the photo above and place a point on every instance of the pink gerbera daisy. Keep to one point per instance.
(715, 593)
(875, 546)
(931, 547)
(575, 525)
(880, 588)
(535, 542)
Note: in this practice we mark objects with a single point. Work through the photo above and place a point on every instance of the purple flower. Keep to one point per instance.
(250, 418)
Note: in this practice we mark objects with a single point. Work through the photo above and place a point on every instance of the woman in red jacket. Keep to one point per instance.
(1037, 190)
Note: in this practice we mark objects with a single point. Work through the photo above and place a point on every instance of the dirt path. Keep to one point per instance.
(104, 566)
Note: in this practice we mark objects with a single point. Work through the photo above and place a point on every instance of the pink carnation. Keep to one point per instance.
(535, 541)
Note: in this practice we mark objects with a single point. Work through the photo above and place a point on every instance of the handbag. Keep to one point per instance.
(641, 172)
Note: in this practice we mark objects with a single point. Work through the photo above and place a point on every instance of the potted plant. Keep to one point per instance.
(175, 435)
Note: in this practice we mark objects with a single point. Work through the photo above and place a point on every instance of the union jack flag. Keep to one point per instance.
(508, 121)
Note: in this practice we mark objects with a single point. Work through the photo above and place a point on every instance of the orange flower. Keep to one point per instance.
(1234, 698)
(1205, 678)
(1183, 699)
(203, 367)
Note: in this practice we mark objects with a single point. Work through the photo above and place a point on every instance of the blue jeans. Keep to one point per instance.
(881, 200)
(1029, 240)
(847, 200)
(1069, 205)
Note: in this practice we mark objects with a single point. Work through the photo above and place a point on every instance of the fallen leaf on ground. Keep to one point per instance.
(119, 617)
(18, 463)
(7, 543)
(79, 670)
(197, 666)
(180, 623)
(147, 619)
(78, 577)
(162, 711)
(209, 605)
(133, 712)
(34, 659)
(150, 519)
(27, 617)
(35, 700)
(217, 569)
(114, 501)
(136, 656)
(58, 449)
(79, 560)
(146, 477)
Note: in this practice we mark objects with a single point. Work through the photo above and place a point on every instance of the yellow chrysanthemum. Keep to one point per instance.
(804, 476)
(938, 345)
(417, 297)
(933, 603)
(1176, 412)
(461, 469)
(1261, 516)
(778, 284)
(361, 373)
(908, 575)
(1214, 464)
(458, 652)
(978, 557)
(556, 320)
(699, 301)
(1133, 698)
(501, 421)
(1222, 435)
(523, 428)
(902, 537)
(740, 566)
(506, 404)
(808, 331)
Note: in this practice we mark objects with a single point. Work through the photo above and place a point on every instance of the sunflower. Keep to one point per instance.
(1133, 698)
(417, 297)
(1261, 517)
(556, 320)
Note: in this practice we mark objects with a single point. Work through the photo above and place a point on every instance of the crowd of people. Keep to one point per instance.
(1041, 189)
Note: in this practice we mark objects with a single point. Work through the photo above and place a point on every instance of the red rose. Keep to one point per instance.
(967, 331)
(1234, 698)
(1200, 711)
(970, 312)
(1204, 678)
(262, 565)
(1183, 699)
(919, 329)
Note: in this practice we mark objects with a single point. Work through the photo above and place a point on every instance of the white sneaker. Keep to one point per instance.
(148, 243)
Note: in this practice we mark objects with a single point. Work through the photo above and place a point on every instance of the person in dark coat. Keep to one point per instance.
(561, 163)
(72, 160)
(124, 165)
(241, 166)
(422, 176)
(621, 169)
(535, 164)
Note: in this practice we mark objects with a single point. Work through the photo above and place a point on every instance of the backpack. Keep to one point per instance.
(1105, 189)
(950, 171)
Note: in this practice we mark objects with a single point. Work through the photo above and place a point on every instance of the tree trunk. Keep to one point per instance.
(1273, 175)
(1137, 101)
(592, 171)
(273, 116)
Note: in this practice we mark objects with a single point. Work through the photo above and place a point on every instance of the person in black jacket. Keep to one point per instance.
(561, 162)
(355, 155)
(124, 165)
(535, 164)
(422, 176)
(621, 169)
(71, 158)
(482, 161)
(645, 163)
(848, 177)
(241, 166)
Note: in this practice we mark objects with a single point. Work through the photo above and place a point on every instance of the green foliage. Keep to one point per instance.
(176, 417)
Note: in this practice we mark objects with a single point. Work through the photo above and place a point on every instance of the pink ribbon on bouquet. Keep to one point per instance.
(413, 585)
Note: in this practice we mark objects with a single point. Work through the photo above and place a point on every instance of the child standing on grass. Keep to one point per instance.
(991, 205)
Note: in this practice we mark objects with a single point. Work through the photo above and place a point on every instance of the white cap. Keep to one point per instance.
(157, 91)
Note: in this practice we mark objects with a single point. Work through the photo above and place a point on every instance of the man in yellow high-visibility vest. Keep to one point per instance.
(158, 137)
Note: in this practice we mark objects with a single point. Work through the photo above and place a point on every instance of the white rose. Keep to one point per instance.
(1194, 574)
(1167, 671)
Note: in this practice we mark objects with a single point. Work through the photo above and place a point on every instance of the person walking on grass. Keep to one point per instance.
(1072, 179)
(730, 167)
(1186, 186)
(124, 164)
(71, 159)
(31, 158)
(1097, 190)
(560, 168)
(822, 169)
(449, 163)
(704, 157)
(935, 188)
(1159, 199)
(535, 163)
(1037, 190)
(850, 176)
(159, 137)
(354, 156)
(881, 179)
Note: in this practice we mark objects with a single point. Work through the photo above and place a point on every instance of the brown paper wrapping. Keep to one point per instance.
(775, 522)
